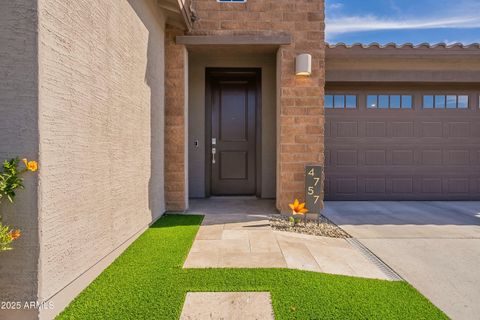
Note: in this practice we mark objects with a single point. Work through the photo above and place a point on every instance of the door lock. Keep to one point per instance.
(214, 151)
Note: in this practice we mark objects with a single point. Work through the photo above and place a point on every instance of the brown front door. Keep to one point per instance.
(232, 152)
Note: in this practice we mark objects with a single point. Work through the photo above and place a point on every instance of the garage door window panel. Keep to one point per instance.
(383, 102)
(394, 101)
(451, 102)
(439, 102)
(351, 102)
(462, 102)
(445, 101)
(407, 102)
(372, 102)
(340, 101)
(428, 102)
(328, 101)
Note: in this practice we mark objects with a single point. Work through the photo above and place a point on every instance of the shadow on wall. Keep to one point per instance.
(437, 213)
(154, 77)
(19, 137)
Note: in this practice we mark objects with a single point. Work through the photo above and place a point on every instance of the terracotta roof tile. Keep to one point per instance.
(405, 46)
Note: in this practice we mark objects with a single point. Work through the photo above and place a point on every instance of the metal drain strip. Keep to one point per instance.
(389, 272)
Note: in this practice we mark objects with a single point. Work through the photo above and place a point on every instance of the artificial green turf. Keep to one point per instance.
(147, 282)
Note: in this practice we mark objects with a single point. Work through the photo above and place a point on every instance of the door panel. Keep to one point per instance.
(233, 135)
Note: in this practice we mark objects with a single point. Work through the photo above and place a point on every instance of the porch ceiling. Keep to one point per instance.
(277, 40)
(229, 50)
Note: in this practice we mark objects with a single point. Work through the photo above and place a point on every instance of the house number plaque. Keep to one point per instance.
(313, 188)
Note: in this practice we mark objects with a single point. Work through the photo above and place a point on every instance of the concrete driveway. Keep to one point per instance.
(434, 245)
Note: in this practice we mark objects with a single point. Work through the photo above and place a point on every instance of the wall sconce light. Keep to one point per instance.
(303, 64)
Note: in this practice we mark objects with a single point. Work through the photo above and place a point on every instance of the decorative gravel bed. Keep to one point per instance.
(321, 227)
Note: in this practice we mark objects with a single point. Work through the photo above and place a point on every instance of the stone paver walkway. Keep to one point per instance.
(227, 305)
(236, 234)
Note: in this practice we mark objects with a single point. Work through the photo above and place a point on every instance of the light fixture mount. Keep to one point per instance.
(303, 64)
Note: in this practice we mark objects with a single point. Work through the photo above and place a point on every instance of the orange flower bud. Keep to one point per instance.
(15, 234)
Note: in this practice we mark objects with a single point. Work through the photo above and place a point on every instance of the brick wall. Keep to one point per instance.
(176, 188)
(300, 99)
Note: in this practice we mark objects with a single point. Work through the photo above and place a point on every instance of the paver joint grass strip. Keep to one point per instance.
(148, 282)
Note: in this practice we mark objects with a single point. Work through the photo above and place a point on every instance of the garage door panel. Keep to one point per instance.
(328, 160)
(402, 185)
(328, 126)
(459, 129)
(432, 157)
(402, 157)
(414, 155)
(431, 185)
(432, 129)
(402, 129)
(457, 185)
(475, 129)
(347, 129)
(457, 157)
(346, 185)
(376, 129)
(327, 185)
(375, 185)
(347, 158)
(375, 157)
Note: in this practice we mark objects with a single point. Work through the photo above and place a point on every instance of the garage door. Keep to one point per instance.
(387, 149)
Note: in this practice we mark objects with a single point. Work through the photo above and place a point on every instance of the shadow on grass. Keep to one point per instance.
(177, 220)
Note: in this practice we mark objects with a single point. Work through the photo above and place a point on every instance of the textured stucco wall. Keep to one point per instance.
(101, 132)
(402, 65)
(197, 65)
(19, 137)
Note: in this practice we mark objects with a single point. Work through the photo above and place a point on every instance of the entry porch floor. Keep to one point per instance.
(236, 233)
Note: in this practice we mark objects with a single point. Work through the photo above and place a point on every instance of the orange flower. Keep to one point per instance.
(30, 165)
(298, 208)
(15, 234)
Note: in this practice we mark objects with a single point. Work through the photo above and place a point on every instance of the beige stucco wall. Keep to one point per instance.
(101, 120)
(198, 62)
(19, 137)
(402, 65)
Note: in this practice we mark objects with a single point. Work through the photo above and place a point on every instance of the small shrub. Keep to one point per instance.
(10, 181)
(7, 236)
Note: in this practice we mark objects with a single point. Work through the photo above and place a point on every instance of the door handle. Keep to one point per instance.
(214, 151)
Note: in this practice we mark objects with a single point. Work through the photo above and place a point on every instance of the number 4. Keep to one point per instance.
(311, 172)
